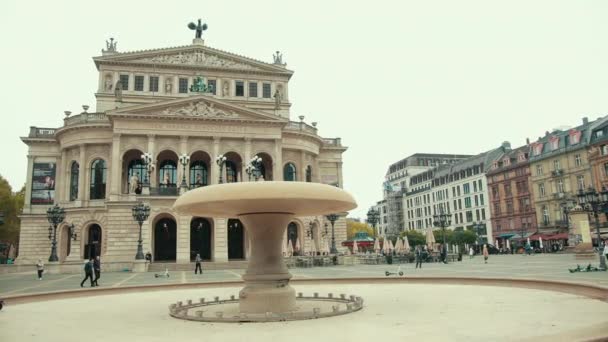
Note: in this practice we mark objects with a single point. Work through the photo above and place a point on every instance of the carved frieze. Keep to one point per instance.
(198, 58)
(200, 108)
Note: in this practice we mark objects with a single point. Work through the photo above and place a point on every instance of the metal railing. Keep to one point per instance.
(164, 191)
(85, 118)
(39, 132)
(332, 141)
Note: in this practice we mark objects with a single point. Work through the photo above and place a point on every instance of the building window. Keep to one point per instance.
(253, 89)
(74, 173)
(496, 208)
(541, 190)
(136, 168)
(183, 85)
(560, 185)
(139, 83)
(266, 90)
(198, 174)
(154, 83)
(309, 174)
(539, 170)
(466, 188)
(509, 207)
(231, 172)
(167, 174)
(580, 181)
(577, 160)
(469, 216)
(483, 214)
(605, 169)
(461, 220)
(98, 179)
(289, 172)
(239, 89)
(507, 189)
(495, 191)
(477, 215)
(212, 84)
(481, 199)
(474, 186)
(604, 149)
(459, 204)
(556, 165)
(545, 215)
(458, 190)
(124, 81)
(476, 201)
(467, 202)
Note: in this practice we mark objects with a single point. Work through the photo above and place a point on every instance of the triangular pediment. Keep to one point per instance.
(198, 56)
(199, 106)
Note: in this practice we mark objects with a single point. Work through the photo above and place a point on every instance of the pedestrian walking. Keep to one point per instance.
(418, 257)
(471, 252)
(485, 253)
(88, 272)
(198, 264)
(40, 268)
(97, 269)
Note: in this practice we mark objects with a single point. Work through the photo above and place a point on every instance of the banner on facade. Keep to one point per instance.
(43, 183)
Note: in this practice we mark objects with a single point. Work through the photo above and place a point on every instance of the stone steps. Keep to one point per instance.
(209, 265)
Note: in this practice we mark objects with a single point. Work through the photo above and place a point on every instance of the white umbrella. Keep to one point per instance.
(430, 238)
(385, 245)
(289, 247)
(508, 244)
(391, 247)
(313, 251)
(540, 240)
(399, 246)
(528, 239)
(355, 247)
(406, 244)
(496, 243)
(377, 246)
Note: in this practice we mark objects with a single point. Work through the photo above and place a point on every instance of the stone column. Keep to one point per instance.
(246, 158)
(277, 166)
(28, 184)
(81, 174)
(151, 150)
(115, 168)
(183, 240)
(61, 178)
(220, 240)
(339, 164)
(302, 177)
(214, 168)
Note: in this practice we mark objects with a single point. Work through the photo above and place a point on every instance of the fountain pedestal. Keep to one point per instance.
(265, 209)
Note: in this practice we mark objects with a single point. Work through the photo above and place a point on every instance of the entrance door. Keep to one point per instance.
(93, 246)
(200, 238)
(165, 240)
(236, 239)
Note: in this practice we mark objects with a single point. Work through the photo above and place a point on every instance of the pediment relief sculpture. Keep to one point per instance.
(199, 108)
(199, 58)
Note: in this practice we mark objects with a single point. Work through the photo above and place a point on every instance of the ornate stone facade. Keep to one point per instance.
(94, 157)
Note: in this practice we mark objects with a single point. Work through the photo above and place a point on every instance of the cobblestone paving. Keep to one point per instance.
(546, 267)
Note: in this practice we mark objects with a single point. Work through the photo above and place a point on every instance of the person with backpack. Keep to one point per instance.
(198, 264)
(88, 272)
(40, 268)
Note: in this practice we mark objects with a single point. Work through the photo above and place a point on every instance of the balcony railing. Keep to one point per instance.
(301, 126)
(557, 173)
(39, 132)
(333, 142)
(164, 191)
(85, 118)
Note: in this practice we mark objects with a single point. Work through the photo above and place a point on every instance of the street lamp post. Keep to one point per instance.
(184, 159)
(332, 219)
(593, 202)
(372, 217)
(140, 213)
(221, 160)
(443, 220)
(55, 216)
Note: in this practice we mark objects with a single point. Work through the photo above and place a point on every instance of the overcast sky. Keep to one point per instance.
(392, 78)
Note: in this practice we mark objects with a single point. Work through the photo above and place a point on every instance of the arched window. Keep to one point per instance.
(262, 171)
(292, 234)
(231, 174)
(198, 174)
(309, 174)
(289, 172)
(74, 173)
(545, 212)
(98, 179)
(167, 173)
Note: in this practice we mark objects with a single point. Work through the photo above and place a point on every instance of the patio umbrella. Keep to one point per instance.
(391, 247)
(406, 244)
(289, 247)
(508, 244)
(496, 243)
(313, 250)
(385, 246)
(355, 247)
(377, 246)
(399, 246)
(430, 238)
(540, 241)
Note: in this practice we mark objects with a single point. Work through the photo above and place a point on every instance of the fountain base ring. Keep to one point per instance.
(227, 310)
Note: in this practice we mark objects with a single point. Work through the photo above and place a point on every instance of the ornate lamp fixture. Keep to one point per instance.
(221, 160)
(55, 215)
(184, 159)
(593, 202)
(443, 220)
(332, 219)
(140, 212)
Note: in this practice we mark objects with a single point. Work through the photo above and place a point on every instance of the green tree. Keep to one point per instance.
(449, 236)
(464, 236)
(11, 205)
(414, 237)
(353, 227)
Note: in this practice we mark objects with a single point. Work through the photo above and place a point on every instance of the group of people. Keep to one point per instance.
(92, 267)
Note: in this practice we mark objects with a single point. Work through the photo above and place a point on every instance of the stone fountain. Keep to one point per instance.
(265, 209)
